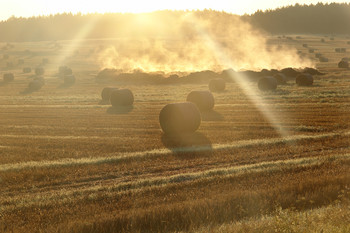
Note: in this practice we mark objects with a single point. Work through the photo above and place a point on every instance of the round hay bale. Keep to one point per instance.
(290, 72)
(337, 50)
(69, 80)
(267, 83)
(180, 118)
(311, 50)
(312, 71)
(35, 85)
(39, 71)
(322, 40)
(106, 93)
(348, 42)
(27, 70)
(318, 55)
(64, 70)
(304, 79)
(343, 50)
(305, 45)
(343, 64)
(121, 97)
(8, 77)
(217, 84)
(280, 78)
(265, 72)
(203, 99)
(228, 75)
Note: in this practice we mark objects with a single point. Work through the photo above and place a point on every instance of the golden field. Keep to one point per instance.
(70, 164)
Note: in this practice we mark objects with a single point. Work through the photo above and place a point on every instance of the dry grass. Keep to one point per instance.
(333, 218)
(68, 164)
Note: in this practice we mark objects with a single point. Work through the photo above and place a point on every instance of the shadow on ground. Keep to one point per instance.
(188, 145)
(104, 102)
(211, 115)
(119, 110)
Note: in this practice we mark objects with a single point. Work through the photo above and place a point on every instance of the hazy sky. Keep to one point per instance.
(27, 8)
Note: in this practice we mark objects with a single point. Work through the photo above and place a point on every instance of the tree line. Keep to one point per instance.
(320, 18)
(333, 18)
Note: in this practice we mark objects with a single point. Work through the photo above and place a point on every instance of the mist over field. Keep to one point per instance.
(191, 42)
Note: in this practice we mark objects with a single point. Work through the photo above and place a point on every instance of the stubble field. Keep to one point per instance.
(70, 164)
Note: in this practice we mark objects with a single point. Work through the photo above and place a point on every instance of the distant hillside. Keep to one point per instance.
(299, 19)
(314, 19)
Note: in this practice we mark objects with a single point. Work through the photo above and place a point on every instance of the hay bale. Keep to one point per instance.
(311, 50)
(249, 74)
(337, 50)
(121, 97)
(27, 70)
(36, 84)
(39, 71)
(217, 85)
(268, 83)
(343, 50)
(289, 72)
(312, 71)
(106, 93)
(64, 70)
(348, 42)
(323, 40)
(265, 72)
(343, 64)
(203, 99)
(180, 118)
(318, 55)
(280, 78)
(228, 75)
(8, 77)
(304, 80)
(305, 45)
(69, 80)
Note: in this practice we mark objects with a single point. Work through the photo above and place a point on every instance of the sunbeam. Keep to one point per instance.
(77, 40)
(239, 78)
